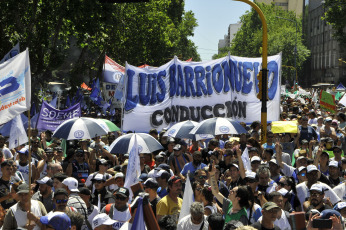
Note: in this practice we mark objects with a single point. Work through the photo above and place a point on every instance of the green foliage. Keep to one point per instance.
(336, 16)
(67, 39)
(281, 38)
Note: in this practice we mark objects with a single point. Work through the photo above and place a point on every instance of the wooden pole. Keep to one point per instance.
(30, 169)
(149, 216)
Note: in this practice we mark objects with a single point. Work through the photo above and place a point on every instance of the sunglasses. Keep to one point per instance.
(98, 181)
(251, 181)
(120, 198)
(303, 174)
(281, 184)
(203, 177)
(61, 201)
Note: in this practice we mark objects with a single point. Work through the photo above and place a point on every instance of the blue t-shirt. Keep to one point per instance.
(190, 167)
(272, 146)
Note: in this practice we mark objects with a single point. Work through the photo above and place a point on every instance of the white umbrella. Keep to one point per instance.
(218, 126)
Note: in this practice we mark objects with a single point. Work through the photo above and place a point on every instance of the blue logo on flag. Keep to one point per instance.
(140, 148)
(79, 134)
(224, 129)
(171, 132)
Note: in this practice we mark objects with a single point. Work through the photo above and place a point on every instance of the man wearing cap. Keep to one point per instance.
(213, 143)
(44, 165)
(274, 169)
(59, 154)
(237, 180)
(334, 174)
(170, 146)
(7, 153)
(194, 165)
(316, 199)
(103, 222)
(57, 221)
(340, 190)
(93, 210)
(45, 193)
(17, 215)
(120, 210)
(171, 204)
(337, 151)
(196, 220)
(23, 165)
(116, 182)
(36, 151)
(103, 167)
(7, 193)
(150, 187)
(270, 212)
(60, 201)
(255, 163)
(101, 192)
(178, 159)
(162, 179)
(327, 130)
(312, 176)
(341, 208)
(74, 200)
(58, 178)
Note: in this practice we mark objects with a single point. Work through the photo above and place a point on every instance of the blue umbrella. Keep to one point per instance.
(218, 126)
(146, 143)
(183, 129)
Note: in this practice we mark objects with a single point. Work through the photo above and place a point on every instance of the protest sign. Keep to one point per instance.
(327, 101)
(50, 118)
(178, 91)
(15, 86)
(284, 127)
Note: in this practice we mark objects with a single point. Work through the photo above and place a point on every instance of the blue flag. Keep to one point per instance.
(33, 109)
(138, 222)
(68, 102)
(54, 101)
(94, 94)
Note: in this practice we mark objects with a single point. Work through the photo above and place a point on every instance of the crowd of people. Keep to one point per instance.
(294, 179)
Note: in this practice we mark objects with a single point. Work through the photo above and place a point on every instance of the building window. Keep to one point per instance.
(281, 4)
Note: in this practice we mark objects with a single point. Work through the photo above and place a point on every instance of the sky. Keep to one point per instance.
(213, 18)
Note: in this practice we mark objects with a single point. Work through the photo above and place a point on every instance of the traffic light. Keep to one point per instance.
(259, 78)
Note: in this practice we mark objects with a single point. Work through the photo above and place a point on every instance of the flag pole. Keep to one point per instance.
(30, 169)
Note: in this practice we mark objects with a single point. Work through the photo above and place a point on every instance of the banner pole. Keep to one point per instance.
(123, 100)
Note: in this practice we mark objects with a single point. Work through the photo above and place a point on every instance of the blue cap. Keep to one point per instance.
(165, 166)
(59, 220)
(24, 151)
(143, 177)
(327, 213)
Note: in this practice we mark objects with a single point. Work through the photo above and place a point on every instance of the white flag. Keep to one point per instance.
(17, 134)
(246, 160)
(343, 100)
(187, 199)
(15, 83)
(133, 167)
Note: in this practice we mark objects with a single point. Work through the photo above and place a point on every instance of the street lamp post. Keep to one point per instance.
(295, 47)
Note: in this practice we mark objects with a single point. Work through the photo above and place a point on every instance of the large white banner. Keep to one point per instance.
(15, 86)
(178, 91)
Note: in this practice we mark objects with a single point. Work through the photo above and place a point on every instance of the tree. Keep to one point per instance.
(281, 37)
(336, 16)
(68, 39)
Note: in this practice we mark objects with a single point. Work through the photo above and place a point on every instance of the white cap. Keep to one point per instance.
(316, 187)
(250, 174)
(333, 164)
(119, 174)
(339, 206)
(274, 161)
(311, 168)
(71, 183)
(255, 158)
(102, 219)
(301, 168)
(98, 177)
(283, 191)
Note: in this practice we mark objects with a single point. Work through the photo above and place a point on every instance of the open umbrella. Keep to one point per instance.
(79, 128)
(108, 125)
(218, 126)
(182, 130)
(146, 143)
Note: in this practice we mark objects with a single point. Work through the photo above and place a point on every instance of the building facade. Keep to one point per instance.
(292, 5)
(227, 41)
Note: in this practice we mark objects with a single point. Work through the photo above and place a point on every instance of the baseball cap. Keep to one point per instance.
(46, 180)
(255, 158)
(253, 149)
(103, 162)
(24, 151)
(339, 206)
(283, 191)
(122, 191)
(311, 168)
(325, 152)
(48, 150)
(301, 168)
(164, 166)
(151, 183)
(157, 157)
(143, 177)
(84, 191)
(163, 174)
(316, 187)
(327, 213)
(328, 119)
(71, 183)
(304, 141)
(119, 174)
(177, 147)
(60, 191)
(99, 177)
(300, 158)
(102, 219)
(59, 220)
(23, 188)
(269, 205)
(337, 147)
(333, 164)
(173, 180)
(274, 161)
(58, 149)
(234, 165)
(6, 162)
(249, 174)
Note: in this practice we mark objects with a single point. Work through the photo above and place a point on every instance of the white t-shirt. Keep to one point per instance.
(303, 192)
(186, 223)
(340, 191)
(6, 152)
(281, 222)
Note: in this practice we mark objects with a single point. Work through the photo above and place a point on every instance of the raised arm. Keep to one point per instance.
(214, 185)
(241, 164)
